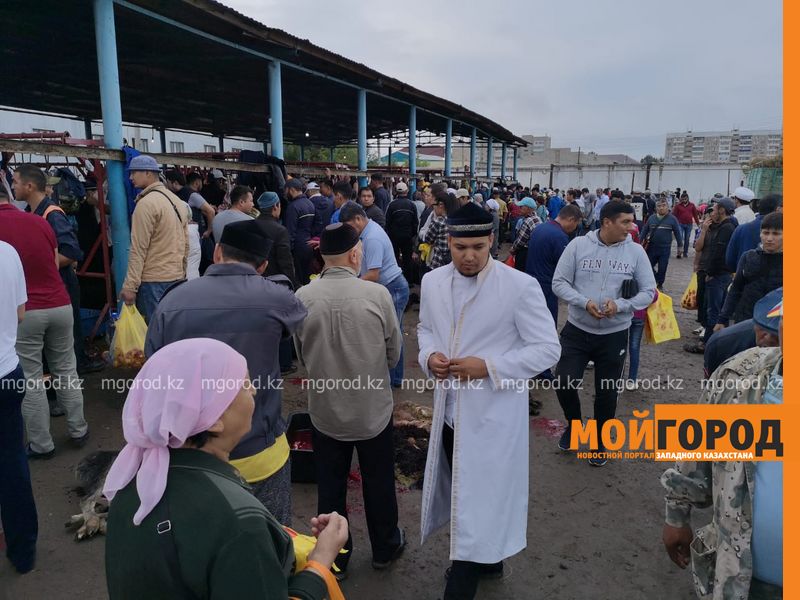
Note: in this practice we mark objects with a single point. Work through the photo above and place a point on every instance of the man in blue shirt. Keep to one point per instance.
(342, 193)
(545, 246)
(554, 204)
(748, 236)
(379, 264)
(299, 222)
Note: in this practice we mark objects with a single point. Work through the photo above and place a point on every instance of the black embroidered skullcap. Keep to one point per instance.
(337, 238)
(469, 221)
(250, 236)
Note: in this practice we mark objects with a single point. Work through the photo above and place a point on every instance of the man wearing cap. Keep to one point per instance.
(299, 222)
(402, 224)
(715, 235)
(279, 260)
(462, 195)
(159, 239)
(743, 196)
(529, 220)
(476, 476)
(739, 554)
(379, 264)
(239, 210)
(234, 304)
(323, 208)
(215, 190)
(352, 337)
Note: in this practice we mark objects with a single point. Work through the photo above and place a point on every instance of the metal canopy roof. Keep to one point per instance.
(201, 66)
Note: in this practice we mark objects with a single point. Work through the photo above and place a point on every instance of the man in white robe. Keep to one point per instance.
(484, 331)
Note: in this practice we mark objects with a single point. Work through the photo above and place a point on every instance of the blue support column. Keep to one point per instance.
(362, 136)
(275, 109)
(448, 148)
(111, 105)
(302, 153)
(489, 157)
(503, 159)
(516, 164)
(473, 158)
(412, 151)
(332, 156)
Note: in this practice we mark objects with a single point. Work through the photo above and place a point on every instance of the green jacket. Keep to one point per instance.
(722, 563)
(226, 543)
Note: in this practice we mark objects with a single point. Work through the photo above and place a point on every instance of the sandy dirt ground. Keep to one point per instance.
(592, 532)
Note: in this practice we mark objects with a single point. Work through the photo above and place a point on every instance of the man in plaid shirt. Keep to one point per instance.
(529, 220)
(436, 235)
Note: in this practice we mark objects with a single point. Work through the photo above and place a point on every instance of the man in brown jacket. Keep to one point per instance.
(159, 239)
(348, 342)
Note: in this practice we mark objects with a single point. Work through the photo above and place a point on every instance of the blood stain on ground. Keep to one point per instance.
(549, 427)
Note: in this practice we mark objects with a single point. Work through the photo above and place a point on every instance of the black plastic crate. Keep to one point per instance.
(303, 469)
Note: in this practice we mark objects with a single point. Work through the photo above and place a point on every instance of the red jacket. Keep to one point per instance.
(685, 213)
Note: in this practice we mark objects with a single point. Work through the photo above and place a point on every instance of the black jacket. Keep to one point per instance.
(402, 221)
(757, 274)
(712, 258)
(280, 260)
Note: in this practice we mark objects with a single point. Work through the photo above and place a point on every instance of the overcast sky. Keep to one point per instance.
(606, 75)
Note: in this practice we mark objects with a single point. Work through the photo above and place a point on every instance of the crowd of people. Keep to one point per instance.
(235, 288)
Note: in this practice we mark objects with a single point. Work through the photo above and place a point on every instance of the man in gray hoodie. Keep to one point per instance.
(592, 277)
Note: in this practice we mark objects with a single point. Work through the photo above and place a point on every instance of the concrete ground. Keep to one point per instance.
(592, 532)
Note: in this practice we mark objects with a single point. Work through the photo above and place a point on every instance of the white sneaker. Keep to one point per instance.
(697, 330)
(631, 384)
(590, 364)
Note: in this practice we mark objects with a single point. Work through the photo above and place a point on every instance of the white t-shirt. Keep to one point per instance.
(463, 288)
(12, 295)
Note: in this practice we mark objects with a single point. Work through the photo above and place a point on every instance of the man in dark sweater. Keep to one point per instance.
(657, 239)
(545, 246)
(299, 221)
(715, 235)
(382, 197)
(402, 224)
(279, 261)
(366, 198)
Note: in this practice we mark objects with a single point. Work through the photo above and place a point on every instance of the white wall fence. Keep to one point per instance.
(702, 180)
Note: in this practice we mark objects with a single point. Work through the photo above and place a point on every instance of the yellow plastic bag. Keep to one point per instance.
(130, 331)
(689, 298)
(303, 545)
(661, 320)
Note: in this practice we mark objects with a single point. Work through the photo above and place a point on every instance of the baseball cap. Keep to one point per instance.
(142, 162)
(527, 201)
(462, 193)
(312, 185)
(401, 187)
(217, 174)
(727, 204)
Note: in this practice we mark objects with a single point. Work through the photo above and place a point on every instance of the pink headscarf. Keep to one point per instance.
(181, 390)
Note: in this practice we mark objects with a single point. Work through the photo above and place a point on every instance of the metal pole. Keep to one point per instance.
(87, 129)
(275, 109)
(362, 136)
(331, 155)
(412, 150)
(162, 136)
(111, 106)
(503, 159)
(221, 140)
(302, 153)
(550, 185)
(448, 148)
(489, 157)
(516, 165)
(473, 155)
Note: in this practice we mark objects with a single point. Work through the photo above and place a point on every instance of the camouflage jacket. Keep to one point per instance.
(722, 564)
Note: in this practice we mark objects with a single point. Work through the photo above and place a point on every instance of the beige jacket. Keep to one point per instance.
(348, 342)
(159, 238)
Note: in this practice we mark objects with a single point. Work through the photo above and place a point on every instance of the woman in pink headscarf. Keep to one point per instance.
(182, 523)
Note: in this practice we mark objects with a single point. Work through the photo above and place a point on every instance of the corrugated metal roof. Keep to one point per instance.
(199, 65)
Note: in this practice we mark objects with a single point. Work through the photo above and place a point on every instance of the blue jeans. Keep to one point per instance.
(687, 237)
(716, 290)
(634, 345)
(659, 256)
(398, 289)
(149, 295)
(16, 496)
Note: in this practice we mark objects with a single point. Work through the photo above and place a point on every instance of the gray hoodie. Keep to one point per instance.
(590, 270)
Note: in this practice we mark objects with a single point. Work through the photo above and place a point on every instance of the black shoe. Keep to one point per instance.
(289, 370)
(39, 455)
(80, 442)
(25, 565)
(563, 442)
(494, 571)
(92, 365)
(601, 459)
(381, 565)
